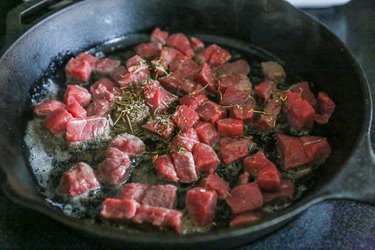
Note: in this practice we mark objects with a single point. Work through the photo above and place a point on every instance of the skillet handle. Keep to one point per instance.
(21, 18)
(357, 180)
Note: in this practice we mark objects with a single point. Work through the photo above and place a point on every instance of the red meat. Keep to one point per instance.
(265, 89)
(201, 204)
(233, 151)
(206, 78)
(316, 148)
(80, 130)
(185, 117)
(185, 141)
(77, 93)
(303, 88)
(267, 121)
(210, 111)
(76, 110)
(183, 67)
(205, 158)
(193, 101)
(133, 191)
(118, 210)
(217, 184)
(240, 67)
(243, 178)
(215, 55)
(115, 171)
(245, 198)
(273, 71)
(99, 107)
(207, 133)
(105, 89)
(148, 50)
(234, 96)
(164, 168)
(151, 92)
(78, 70)
(160, 196)
(244, 112)
(161, 126)
(196, 44)
(245, 218)
(180, 42)
(159, 36)
(289, 99)
(121, 77)
(237, 81)
(230, 127)
(326, 107)
(47, 107)
(106, 66)
(301, 115)
(177, 86)
(185, 167)
(285, 193)
(88, 58)
(79, 179)
(292, 152)
(56, 122)
(129, 144)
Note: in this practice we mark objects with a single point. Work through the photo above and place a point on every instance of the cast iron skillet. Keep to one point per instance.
(306, 47)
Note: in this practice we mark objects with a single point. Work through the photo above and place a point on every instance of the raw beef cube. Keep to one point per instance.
(148, 50)
(243, 178)
(177, 86)
(185, 167)
(115, 171)
(160, 196)
(160, 217)
(79, 179)
(78, 70)
(99, 107)
(234, 96)
(267, 121)
(303, 88)
(160, 125)
(230, 127)
(193, 101)
(129, 144)
(85, 129)
(56, 122)
(233, 151)
(47, 107)
(180, 42)
(285, 193)
(121, 77)
(196, 44)
(207, 133)
(77, 93)
(164, 168)
(206, 78)
(241, 82)
(76, 110)
(115, 153)
(217, 184)
(316, 148)
(133, 191)
(201, 204)
(226, 140)
(245, 198)
(244, 112)
(183, 67)
(326, 107)
(168, 54)
(151, 92)
(245, 218)
(166, 99)
(160, 67)
(159, 36)
(264, 90)
(106, 66)
(240, 67)
(273, 71)
(205, 158)
(88, 58)
(118, 210)
(185, 141)
(135, 60)
(210, 112)
(292, 151)
(185, 117)
(105, 89)
(289, 99)
(301, 115)
(215, 55)
(265, 172)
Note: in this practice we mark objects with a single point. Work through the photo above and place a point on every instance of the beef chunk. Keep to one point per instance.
(207, 133)
(206, 78)
(121, 77)
(264, 90)
(177, 86)
(196, 44)
(129, 144)
(181, 42)
(233, 151)
(215, 55)
(316, 148)
(133, 191)
(245, 198)
(234, 96)
(243, 112)
(201, 204)
(160, 125)
(99, 107)
(88, 58)
(76, 93)
(303, 88)
(164, 168)
(185, 167)
(115, 170)
(291, 151)
(118, 210)
(47, 107)
(105, 89)
(160, 217)
(105, 66)
(148, 50)
(273, 71)
(56, 122)
(193, 101)
(265, 172)
(241, 82)
(210, 111)
(285, 193)
(77, 69)
(159, 36)
(79, 179)
(240, 67)
(217, 184)
(205, 158)
(185, 141)
(245, 218)
(160, 196)
(326, 107)
(76, 110)
(301, 115)
(80, 130)
(185, 117)
(267, 121)
(230, 127)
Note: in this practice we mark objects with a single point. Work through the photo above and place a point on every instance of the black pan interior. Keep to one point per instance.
(305, 47)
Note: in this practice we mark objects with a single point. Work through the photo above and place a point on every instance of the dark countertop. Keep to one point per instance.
(328, 225)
